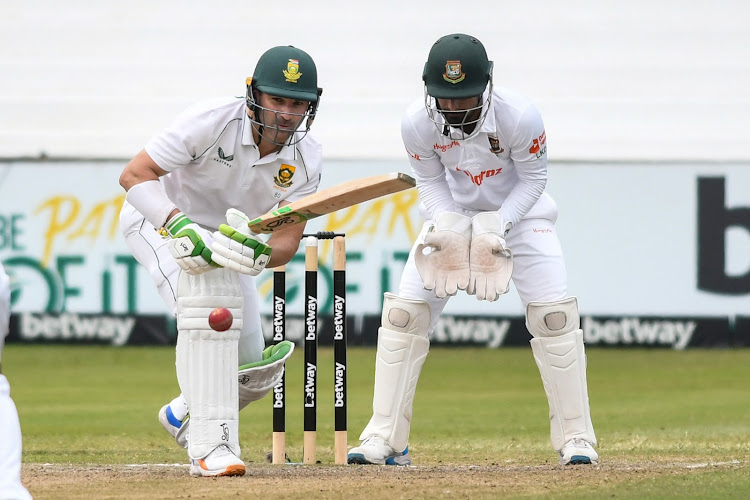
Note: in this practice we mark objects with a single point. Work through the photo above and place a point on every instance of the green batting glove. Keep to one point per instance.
(188, 245)
(235, 247)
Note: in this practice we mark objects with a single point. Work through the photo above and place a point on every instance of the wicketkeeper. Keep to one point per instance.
(479, 156)
(184, 220)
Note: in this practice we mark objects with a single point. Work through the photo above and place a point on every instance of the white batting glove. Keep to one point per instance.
(189, 245)
(445, 269)
(491, 263)
(236, 247)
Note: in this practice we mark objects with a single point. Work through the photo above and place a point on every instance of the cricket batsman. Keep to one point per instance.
(479, 155)
(184, 219)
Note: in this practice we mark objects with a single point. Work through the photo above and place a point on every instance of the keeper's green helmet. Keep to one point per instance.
(457, 67)
(287, 71)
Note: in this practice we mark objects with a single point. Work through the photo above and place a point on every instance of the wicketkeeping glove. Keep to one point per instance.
(236, 247)
(490, 261)
(445, 269)
(188, 245)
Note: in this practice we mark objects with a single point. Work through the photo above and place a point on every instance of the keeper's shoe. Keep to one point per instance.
(374, 450)
(578, 451)
(178, 429)
(220, 462)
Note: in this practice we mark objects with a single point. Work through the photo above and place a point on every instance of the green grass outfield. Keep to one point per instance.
(670, 424)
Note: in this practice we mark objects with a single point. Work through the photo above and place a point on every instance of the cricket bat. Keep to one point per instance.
(331, 199)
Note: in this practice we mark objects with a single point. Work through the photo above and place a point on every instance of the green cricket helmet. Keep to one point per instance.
(287, 71)
(457, 68)
(284, 71)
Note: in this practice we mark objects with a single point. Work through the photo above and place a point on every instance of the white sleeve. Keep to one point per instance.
(529, 154)
(184, 140)
(429, 172)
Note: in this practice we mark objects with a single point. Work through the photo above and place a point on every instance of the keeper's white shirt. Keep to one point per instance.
(214, 164)
(503, 167)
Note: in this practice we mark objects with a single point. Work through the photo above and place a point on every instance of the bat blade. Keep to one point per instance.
(331, 199)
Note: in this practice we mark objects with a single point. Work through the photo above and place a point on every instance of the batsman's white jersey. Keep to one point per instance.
(501, 167)
(10, 428)
(214, 165)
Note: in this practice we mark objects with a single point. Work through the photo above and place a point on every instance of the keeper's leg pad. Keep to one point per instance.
(257, 379)
(207, 360)
(558, 350)
(403, 345)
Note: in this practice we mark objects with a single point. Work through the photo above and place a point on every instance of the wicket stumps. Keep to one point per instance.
(311, 352)
(279, 391)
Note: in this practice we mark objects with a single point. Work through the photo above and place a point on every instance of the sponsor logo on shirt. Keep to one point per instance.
(413, 155)
(284, 177)
(539, 147)
(495, 146)
(481, 176)
(446, 147)
(223, 158)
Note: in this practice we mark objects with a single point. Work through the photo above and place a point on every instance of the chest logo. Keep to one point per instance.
(284, 177)
(224, 158)
(481, 176)
(445, 147)
(495, 146)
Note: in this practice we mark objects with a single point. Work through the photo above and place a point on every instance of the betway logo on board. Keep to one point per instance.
(455, 330)
(70, 326)
(636, 331)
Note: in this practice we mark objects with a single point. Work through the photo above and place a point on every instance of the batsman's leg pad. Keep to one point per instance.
(207, 359)
(403, 345)
(559, 353)
(257, 379)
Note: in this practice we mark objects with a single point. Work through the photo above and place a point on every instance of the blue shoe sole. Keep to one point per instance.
(359, 459)
(579, 460)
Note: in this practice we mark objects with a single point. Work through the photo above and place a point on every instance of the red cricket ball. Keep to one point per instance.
(220, 319)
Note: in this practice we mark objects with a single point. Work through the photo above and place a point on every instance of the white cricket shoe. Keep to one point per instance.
(578, 451)
(167, 419)
(178, 429)
(220, 462)
(374, 450)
